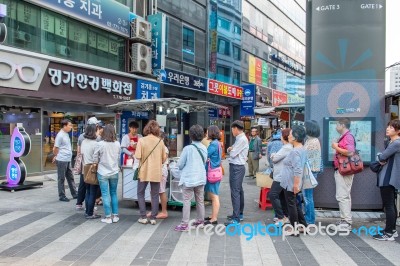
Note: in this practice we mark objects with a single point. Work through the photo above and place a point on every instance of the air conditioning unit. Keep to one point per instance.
(22, 36)
(141, 30)
(141, 58)
(63, 50)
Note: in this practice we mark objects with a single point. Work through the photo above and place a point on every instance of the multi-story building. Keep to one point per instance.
(395, 78)
(273, 42)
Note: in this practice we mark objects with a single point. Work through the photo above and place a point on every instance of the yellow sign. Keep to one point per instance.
(252, 69)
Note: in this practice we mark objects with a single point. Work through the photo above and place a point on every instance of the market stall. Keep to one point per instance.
(129, 186)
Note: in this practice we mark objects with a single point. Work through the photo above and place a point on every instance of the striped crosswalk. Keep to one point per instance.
(45, 238)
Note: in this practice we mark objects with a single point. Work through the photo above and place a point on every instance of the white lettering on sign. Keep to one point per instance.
(83, 81)
(328, 7)
(371, 6)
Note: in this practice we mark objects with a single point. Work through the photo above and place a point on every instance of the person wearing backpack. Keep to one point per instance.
(193, 177)
(345, 145)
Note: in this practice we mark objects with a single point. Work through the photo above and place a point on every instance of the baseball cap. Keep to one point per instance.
(93, 121)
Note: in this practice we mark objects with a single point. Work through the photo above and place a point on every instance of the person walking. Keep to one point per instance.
(237, 160)
(129, 141)
(214, 155)
(313, 148)
(276, 194)
(88, 147)
(255, 147)
(63, 155)
(193, 177)
(150, 152)
(345, 145)
(389, 180)
(107, 155)
(292, 174)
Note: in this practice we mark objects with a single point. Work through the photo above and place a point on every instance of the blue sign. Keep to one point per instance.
(184, 80)
(213, 113)
(248, 101)
(128, 116)
(106, 14)
(147, 89)
(158, 31)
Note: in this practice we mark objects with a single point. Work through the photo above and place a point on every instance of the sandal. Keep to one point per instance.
(162, 216)
(99, 202)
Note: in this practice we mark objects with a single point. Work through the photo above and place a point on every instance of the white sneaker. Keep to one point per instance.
(343, 225)
(106, 220)
(153, 222)
(143, 220)
(395, 234)
(281, 222)
(115, 218)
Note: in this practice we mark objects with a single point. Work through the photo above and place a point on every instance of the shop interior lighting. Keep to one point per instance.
(168, 111)
(160, 108)
(175, 111)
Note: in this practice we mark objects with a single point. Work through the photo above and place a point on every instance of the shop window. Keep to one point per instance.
(236, 53)
(223, 46)
(188, 52)
(224, 23)
(223, 74)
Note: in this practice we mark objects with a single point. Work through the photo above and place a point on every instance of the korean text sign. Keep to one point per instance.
(279, 98)
(158, 25)
(249, 100)
(224, 89)
(147, 89)
(181, 79)
(107, 14)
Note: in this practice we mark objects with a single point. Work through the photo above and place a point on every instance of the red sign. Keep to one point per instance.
(278, 98)
(258, 71)
(224, 89)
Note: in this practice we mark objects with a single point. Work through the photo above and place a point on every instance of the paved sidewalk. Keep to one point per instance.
(37, 229)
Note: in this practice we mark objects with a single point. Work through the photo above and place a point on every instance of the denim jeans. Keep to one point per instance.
(108, 186)
(81, 190)
(90, 198)
(389, 204)
(309, 203)
(64, 172)
(236, 175)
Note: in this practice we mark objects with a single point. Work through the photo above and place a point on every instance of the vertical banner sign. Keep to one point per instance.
(264, 74)
(20, 147)
(279, 98)
(158, 32)
(258, 71)
(213, 113)
(249, 100)
(213, 39)
(252, 69)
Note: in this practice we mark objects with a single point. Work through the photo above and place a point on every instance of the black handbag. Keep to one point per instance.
(375, 167)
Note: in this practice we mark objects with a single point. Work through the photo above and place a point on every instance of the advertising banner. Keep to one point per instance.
(249, 100)
(279, 98)
(224, 89)
(252, 69)
(158, 32)
(258, 71)
(147, 89)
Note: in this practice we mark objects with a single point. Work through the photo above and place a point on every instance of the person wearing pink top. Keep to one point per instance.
(345, 145)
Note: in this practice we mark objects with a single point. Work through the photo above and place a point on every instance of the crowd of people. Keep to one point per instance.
(288, 152)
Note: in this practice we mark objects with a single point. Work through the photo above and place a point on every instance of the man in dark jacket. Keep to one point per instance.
(254, 152)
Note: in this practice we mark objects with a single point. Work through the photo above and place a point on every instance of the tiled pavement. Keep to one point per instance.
(36, 229)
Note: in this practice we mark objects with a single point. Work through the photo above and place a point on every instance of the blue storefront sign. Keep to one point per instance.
(158, 31)
(106, 14)
(128, 116)
(147, 89)
(248, 101)
(213, 113)
(176, 78)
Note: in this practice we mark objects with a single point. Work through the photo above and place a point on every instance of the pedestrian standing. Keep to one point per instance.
(88, 147)
(389, 180)
(129, 141)
(276, 194)
(214, 155)
(193, 177)
(255, 148)
(274, 145)
(107, 155)
(237, 161)
(292, 174)
(150, 152)
(63, 155)
(345, 145)
(313, 148)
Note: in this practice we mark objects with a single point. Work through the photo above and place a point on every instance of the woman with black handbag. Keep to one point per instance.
(389, 180)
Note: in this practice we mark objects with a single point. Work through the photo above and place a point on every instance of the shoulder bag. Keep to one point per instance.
(309, 180)
(214, 175)
(78, 164)
(90, 174)
(136, 173)
(350, 165)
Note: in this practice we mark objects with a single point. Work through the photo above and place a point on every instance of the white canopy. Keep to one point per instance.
(263, 110)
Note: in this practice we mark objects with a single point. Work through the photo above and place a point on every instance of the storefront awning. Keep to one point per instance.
(168, 103)
(290, 105)
(264, 110)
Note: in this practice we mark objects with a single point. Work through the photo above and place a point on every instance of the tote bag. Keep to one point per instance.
(309, 180)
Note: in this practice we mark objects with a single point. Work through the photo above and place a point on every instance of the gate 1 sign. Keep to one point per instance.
(20, 146)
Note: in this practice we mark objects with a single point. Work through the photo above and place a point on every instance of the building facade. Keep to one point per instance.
(395, 78)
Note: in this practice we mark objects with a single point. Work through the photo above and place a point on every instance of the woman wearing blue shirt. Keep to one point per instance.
(214, 156)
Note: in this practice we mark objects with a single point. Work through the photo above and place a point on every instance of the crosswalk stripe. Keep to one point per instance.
(128, 245)
(19, 236)
(388, 249)
(250, 252)
(267, 251)
(326, 251)
(22, 221)
(11, 216)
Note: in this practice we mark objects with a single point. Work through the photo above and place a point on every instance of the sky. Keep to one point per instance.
(392, 35)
